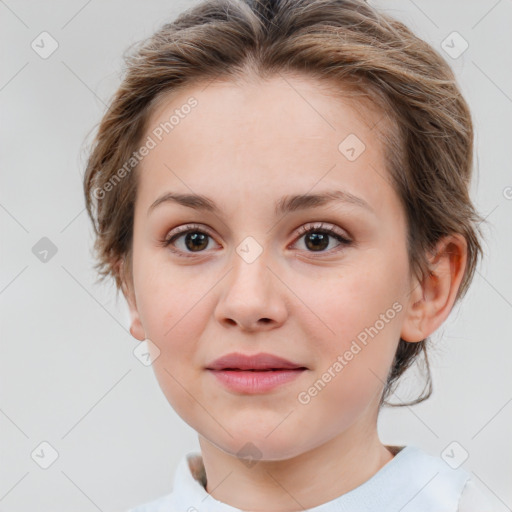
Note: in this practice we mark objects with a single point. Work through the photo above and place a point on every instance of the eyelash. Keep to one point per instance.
(304, 230)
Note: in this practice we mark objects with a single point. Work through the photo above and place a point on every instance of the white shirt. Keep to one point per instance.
(412, 481)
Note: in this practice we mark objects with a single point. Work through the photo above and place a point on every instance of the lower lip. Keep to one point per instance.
(254, 382)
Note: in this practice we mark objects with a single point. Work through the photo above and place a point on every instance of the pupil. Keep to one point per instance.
(198, 241)
(319, 240)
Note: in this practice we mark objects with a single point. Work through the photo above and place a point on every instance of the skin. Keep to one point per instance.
(245, 146)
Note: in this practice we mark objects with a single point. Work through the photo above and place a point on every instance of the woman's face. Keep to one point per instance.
(248, 279)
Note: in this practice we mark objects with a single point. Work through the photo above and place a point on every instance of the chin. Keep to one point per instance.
(251, 448)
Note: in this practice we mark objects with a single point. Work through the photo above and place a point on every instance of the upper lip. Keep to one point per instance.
(261, 361)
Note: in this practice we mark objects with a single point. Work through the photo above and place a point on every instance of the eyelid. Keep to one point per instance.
(331, 229)
(187, 227)
(323, 226)
(168, 240)
(305, 228)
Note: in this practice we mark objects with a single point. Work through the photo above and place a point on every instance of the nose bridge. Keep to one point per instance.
(250, 275)
(250, 295)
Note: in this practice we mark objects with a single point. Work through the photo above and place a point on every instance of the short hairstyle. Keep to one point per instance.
(349, 46)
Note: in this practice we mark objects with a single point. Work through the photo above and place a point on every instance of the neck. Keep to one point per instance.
(304, 481)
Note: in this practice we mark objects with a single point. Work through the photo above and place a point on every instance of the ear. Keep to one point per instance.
(431, 300)
(136, 329)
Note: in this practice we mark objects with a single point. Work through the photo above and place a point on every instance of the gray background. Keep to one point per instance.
(67, 369)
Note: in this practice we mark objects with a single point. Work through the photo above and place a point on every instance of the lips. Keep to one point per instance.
(262, 373)
(257, 362)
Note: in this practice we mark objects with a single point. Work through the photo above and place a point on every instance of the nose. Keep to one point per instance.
(252, 297)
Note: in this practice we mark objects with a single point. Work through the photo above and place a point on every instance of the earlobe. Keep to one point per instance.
(136, 329)
(412, 328)
(432, 299)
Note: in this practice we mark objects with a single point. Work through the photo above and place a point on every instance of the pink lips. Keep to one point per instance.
(253, 374)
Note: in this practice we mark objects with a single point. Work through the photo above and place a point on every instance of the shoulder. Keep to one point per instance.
(426, 482)
(473, 499)
(161, 504)
(186, 489)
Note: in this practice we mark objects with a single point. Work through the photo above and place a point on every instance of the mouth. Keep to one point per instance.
(260, 370)
(262, 362)
(254, 382)
(254, 374)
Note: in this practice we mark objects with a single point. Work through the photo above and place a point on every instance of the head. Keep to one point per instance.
(247, 104)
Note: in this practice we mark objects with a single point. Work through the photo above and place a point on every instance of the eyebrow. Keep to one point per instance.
(286, 204)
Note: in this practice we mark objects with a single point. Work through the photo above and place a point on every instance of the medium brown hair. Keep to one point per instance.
(350, 47)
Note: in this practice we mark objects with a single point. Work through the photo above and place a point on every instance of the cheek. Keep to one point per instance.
(168, 299)
(346, 303)
(173, 313)
(357, 315)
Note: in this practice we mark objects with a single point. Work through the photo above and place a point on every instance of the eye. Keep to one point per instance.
(193, 239)
(317, 237)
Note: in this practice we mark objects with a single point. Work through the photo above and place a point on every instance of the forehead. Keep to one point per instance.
(274, 136)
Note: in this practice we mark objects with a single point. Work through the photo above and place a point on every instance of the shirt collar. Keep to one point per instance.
(189, 491)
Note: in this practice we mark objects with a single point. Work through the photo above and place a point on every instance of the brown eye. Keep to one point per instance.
(187, 240)
(196, 241)
(317, 238)
(317, 241)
